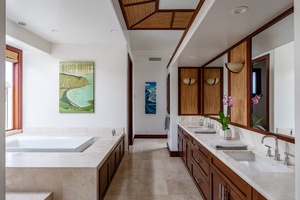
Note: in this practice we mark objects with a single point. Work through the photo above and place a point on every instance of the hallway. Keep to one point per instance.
(149, 173)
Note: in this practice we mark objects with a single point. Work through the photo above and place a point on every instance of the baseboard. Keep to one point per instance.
(172, 153)
(148, 136)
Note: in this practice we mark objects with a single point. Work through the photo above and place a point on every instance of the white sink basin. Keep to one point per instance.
(202, 129)
(255, 162)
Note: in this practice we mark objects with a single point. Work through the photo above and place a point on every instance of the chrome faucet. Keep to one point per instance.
(277, 155)
(201, 121)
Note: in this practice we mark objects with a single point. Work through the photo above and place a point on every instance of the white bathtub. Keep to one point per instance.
(48, 144)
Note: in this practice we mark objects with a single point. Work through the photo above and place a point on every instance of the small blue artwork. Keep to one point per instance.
(150, 97)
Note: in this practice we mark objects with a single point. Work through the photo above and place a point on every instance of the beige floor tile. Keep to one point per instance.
(149, 173)
(123, 186)
(152, 187)
(152, 197)
(185, 197)
(121, 197)
(152, 174)
(182, 187)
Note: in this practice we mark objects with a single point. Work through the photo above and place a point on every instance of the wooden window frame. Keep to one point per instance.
(17, 89)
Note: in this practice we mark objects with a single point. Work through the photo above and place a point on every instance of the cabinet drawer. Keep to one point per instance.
(201, 149)
(202, 184)
(201, 162)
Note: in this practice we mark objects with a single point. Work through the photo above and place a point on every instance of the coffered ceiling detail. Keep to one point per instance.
(146, 15)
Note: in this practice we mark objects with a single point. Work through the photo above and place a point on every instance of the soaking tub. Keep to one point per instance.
(48, 144)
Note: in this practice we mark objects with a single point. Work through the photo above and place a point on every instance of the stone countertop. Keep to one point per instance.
(272, 185)
(93, 157)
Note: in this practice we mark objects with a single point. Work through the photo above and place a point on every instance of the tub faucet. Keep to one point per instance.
(277, 155)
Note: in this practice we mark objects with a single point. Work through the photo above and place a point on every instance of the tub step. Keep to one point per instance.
(29, 196)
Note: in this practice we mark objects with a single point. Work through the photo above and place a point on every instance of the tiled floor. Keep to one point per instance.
(149, 173)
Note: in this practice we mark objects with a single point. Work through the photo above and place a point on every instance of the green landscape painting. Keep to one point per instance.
(76, 87)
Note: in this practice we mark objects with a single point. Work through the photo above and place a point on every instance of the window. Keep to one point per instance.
(13, 89)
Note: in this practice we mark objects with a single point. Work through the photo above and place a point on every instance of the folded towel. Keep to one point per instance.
(167, 122)
(228, 146)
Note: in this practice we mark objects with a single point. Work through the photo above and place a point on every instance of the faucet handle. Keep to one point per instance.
(287, 159)
(268, 151)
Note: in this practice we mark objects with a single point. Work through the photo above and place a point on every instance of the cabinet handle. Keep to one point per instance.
(197, 147)
(198, 180)
(198, 161)
(225, 193)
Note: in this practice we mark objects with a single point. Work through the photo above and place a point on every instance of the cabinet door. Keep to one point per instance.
(188, 156)
(257, 196)
(104, 179)
(220, 190)
(184, 152)
(216, 185)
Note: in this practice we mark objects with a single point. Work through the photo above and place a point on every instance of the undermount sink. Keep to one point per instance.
(201, 129)
(255, 162)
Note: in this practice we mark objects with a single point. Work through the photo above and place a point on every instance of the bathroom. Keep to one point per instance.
(40, 87)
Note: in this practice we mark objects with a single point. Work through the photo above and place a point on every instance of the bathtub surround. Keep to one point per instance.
(68, 175)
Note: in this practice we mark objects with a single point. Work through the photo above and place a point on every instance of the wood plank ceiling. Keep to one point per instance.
(145, 15)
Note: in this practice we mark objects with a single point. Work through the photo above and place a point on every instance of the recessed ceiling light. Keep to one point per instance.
(239, 10)
(22, 23)
(54, 31)
(192, 57)
(113, 30)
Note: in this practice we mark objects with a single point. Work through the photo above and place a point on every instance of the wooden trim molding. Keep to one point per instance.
(172, 153)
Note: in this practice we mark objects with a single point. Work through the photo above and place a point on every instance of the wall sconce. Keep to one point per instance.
(212, 81)
(189, 81)
(235, 67)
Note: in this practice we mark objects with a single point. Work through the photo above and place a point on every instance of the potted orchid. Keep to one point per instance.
(224, 119)
(255, 123)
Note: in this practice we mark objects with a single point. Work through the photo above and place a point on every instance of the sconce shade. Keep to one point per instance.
(212, 81)
(189, 81)
(235, 67)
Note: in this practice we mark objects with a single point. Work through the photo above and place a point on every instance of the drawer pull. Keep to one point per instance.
(198, 161)
(198, 180)
(197, 147)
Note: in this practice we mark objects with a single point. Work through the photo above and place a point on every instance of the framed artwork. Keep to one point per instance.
(76, 87)
(150, 97)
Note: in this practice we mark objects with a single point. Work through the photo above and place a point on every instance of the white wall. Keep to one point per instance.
(2, 99)
(41, 86)
(172, 132)
(146, 71)
(297, 93)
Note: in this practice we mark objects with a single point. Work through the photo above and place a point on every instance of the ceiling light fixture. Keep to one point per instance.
(192, 57)
(22, 23)
(54, 31)
(239, 10)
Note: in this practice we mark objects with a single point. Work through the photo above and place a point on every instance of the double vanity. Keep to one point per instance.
(233, 174)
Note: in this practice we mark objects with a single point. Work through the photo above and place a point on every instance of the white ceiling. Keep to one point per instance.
(91, 21)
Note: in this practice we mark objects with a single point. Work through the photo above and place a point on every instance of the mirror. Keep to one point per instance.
(219, 62)
(272, 78)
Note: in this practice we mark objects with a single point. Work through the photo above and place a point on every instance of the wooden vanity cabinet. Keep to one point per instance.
(257, 196)
(109, 168)
(227, 183)
(213, 178)
(186, 150)
(200, 168)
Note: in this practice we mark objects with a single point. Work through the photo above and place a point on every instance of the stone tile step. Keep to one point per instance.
(29, 196)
